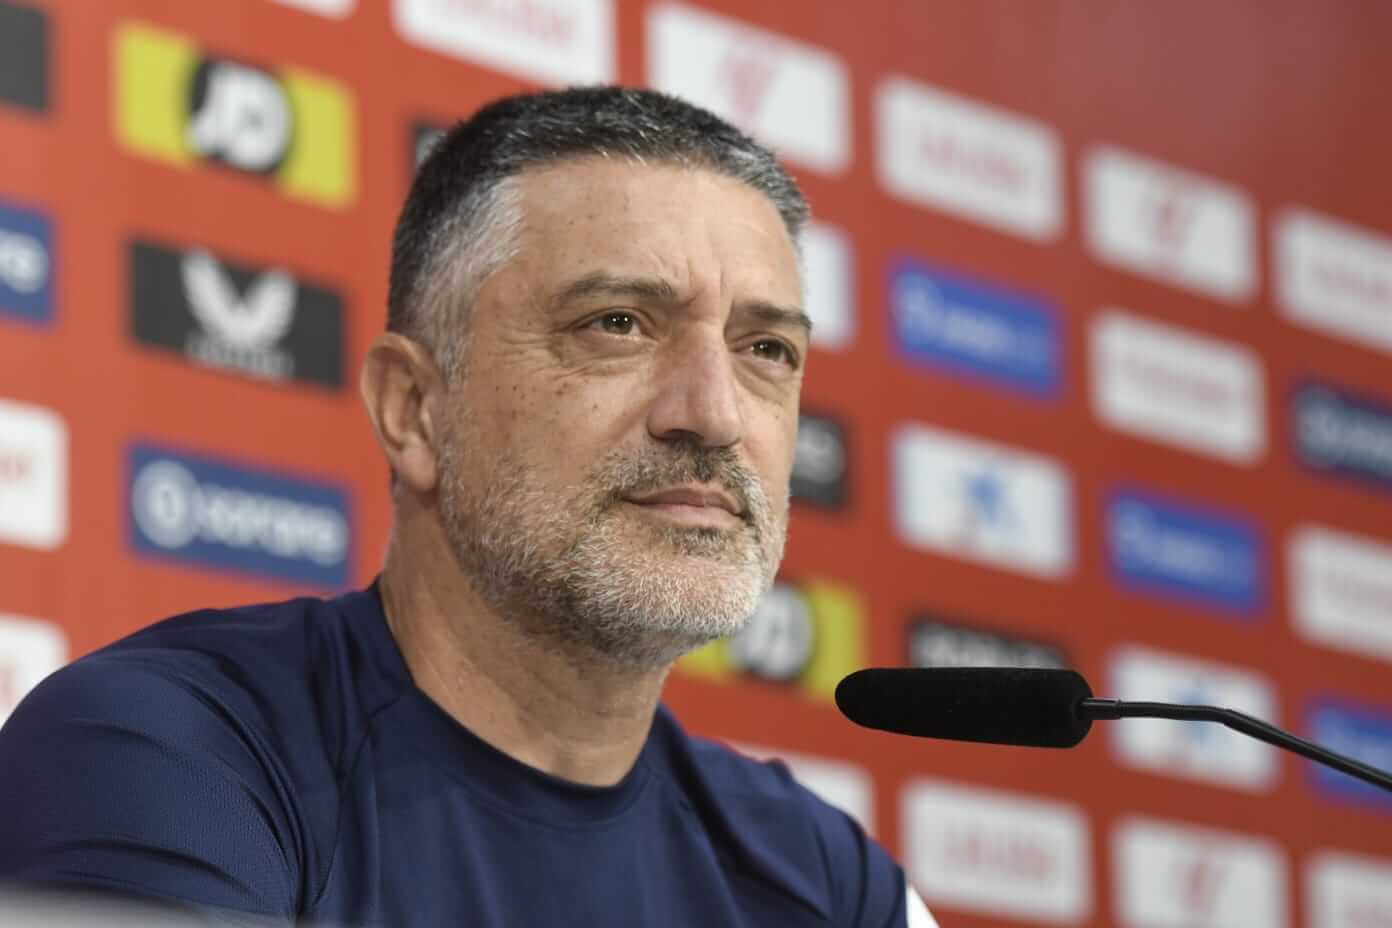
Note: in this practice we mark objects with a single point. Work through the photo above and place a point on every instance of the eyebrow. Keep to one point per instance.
(658, 290)
(654, 289)
(777, 315)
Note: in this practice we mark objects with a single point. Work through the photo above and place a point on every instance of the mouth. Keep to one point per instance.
(692, 505)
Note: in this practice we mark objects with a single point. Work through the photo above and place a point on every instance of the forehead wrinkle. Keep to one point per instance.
(764, 310)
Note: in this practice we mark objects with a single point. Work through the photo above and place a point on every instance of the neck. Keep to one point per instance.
(573, 715)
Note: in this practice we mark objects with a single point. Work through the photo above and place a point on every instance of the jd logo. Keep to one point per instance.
(776, 643)
(256, 319)
(805, 635)
(240, 116)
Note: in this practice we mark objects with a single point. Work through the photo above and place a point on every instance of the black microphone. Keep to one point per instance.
(1029, 706)
(1033, 707)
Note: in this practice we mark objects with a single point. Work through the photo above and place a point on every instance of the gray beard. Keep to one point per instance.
(575, 571)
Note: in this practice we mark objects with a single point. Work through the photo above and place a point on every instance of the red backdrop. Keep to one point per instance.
(1144, 251)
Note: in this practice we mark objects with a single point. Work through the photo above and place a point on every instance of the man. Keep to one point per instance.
(588, 399)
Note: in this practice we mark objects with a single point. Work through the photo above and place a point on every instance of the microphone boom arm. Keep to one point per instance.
(1093, 709)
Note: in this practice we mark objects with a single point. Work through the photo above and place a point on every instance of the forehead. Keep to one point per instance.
(690, 225)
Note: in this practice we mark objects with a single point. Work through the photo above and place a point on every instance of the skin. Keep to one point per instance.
(559, 376)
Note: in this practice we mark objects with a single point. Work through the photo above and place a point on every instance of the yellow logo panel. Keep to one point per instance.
(177, 104)
(806, 635)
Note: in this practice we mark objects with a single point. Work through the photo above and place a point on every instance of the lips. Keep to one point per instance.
(695, 496)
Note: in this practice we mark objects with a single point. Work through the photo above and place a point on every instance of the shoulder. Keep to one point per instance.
(194, 677)
(212, 742)
(792, 837)
(289, 674)
(131, 777)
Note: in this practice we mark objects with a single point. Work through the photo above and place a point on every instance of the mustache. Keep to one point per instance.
(683, 461)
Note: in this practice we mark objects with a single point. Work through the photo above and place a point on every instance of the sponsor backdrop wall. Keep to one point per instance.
(1102, 377)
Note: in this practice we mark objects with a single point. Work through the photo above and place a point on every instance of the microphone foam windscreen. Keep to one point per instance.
(1032, 707)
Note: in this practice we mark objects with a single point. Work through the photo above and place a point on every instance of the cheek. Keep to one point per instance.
(570, 423)
(772, 440)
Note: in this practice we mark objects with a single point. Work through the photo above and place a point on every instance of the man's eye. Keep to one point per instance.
(774, 350)
(616, 323)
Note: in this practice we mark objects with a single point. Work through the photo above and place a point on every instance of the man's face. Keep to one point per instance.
(615, 458)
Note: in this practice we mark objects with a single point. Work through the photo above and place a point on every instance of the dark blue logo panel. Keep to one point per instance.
(972, 329)
(1360, 732)
(211, 513)
(26, 264)
(1344, 434)
(1164, 548)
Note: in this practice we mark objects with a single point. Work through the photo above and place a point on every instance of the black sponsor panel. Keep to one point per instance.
(261, 322)
(424, 136)
(937, 643)
(821, 462)
(24, 53)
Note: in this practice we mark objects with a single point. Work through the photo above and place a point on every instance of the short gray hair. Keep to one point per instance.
(461, 217)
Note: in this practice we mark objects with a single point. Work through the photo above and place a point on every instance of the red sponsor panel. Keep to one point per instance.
(1101, 375)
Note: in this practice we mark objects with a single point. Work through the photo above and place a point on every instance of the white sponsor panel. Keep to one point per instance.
(967, 158)
(985, 502)
(1341, 590)
(30, 649)
(997, 853)
(1178, 227)
(1334, 277)
(33, 476)
(1197, 750)
(1178, 387)
(792, 96)
(336, 9)
(1348, 891)
(838, 783)
(1178, 876)
(828, 285)
(917, 912)
(550, 41)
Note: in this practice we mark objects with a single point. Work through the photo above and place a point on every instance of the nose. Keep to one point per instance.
(698, 396)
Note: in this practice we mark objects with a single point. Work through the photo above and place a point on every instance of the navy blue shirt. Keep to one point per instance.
(279, 760)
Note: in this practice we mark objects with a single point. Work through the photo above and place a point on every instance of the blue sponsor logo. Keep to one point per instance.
(1164, 548)
(972, 329)
(1345, 434)
(214, 514)
(1360, 732)
(26, 264)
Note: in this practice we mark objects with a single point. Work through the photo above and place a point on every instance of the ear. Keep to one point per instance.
(401, 387)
